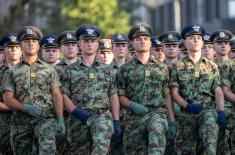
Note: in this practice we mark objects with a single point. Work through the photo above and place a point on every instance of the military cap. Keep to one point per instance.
(119, 39)
(182, 46)
(207, 39)
(155, 42)
(67, 37)
(192, 29)
(105, 45)
(88, 32)
(232, 44)
(170, 37)
(10, 40)
(140, 29)
(49, 41)
(221, 35)
(30, 32)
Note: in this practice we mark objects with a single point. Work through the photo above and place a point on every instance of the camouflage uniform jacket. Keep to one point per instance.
(89, 87)
(196, 82)
(32, 84)
(145, 84)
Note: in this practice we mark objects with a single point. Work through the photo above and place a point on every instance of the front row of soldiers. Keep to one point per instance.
(153, 104)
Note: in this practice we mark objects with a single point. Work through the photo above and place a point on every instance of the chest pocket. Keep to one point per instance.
(22, 82)
(185, 81)
(42, 81)
(157, 79)
(206, 83)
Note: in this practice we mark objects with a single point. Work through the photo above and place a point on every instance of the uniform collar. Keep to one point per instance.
(37, 61)
(150, 60)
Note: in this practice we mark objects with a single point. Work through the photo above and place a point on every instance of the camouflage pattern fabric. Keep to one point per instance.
(5, 120)
(116, 144)
(145, 84)
(228, 79)
(61, 142)
(32, 84)
(196, 83)
(90, 88)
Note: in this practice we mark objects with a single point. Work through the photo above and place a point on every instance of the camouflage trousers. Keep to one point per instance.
(93, 138)
(144, 134)
(226, 138)
(193, 128)
(5, 146)
(31, 136)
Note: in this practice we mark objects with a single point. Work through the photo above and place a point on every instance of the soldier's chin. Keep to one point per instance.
(142, 51)
(30, 53)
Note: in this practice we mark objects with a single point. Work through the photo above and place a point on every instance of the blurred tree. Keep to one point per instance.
(55, 16)
(108, 15)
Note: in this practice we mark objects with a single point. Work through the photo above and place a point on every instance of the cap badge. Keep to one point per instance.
(221, 34)
(68, 36)
(142, 28)
(157, 41)
(196, 28)
(106, 45)
(50, 40)
(206, 37)
(90, 31)
(29, 31)
(170, 36)
(119, 36)
(13, 38)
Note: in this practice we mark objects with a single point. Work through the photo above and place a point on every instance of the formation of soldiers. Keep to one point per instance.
(132, 94)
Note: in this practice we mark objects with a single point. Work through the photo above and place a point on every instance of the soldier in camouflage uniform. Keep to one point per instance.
(68, 45)
(194, 86)
(156, 49)
(120, 50)
(89, 91)
(228, 85)
(50, 50)
(170, 41)
(32, 89)
(143, 90)
(13, 54)
(221, 39)
(208, 50)
(170, 48)
(105, 54)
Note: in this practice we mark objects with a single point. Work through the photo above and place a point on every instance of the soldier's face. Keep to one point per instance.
(69, 50)
(158, 54)
(2, 56)
(50, 55)
(105, 57)
(208, 51)
(30, 47)
(13, 53)
(88, 46)
(142, 43)
(222, 48)
(194, 43)
(171, 51)
(120, 50)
